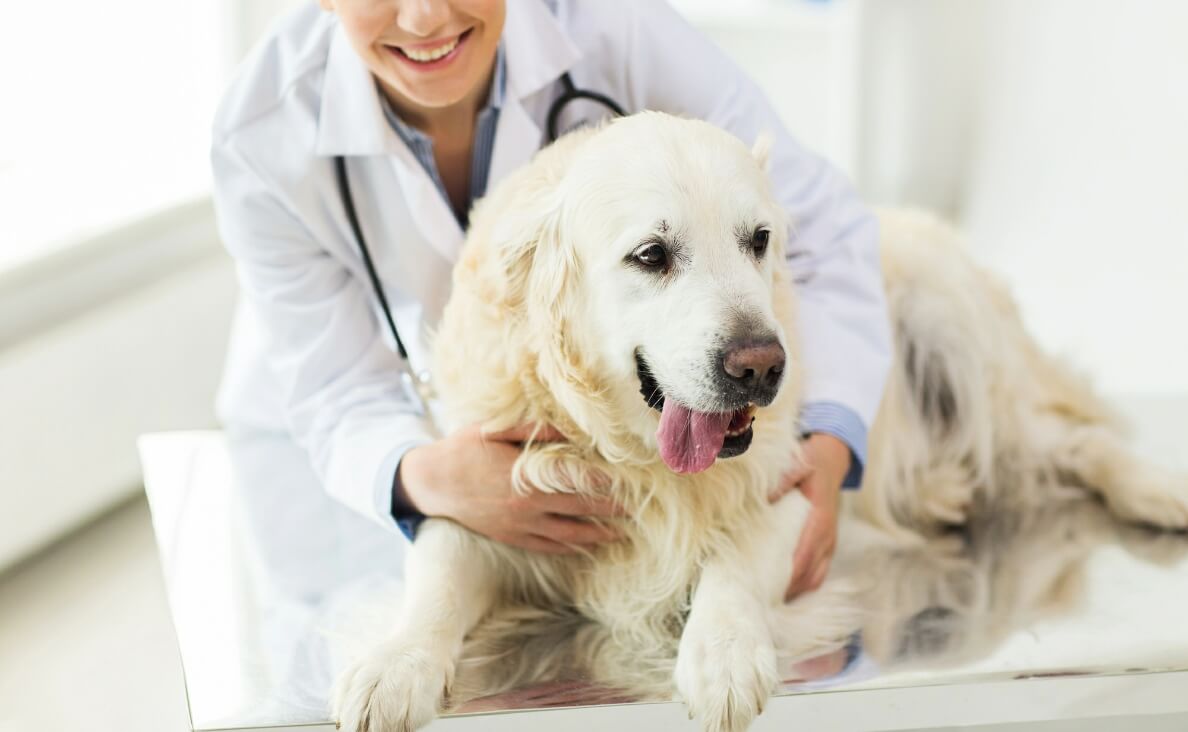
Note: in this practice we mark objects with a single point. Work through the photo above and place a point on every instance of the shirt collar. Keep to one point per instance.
(499, 80)
(351, 119)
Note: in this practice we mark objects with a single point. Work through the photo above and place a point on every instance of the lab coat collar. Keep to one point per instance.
(351, 119)
(538, 49)
(538, 53)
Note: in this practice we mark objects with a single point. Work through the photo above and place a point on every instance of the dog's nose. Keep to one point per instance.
(754, 366)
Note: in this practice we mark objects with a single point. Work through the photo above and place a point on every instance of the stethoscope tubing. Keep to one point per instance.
(348, 202)
(571, 94)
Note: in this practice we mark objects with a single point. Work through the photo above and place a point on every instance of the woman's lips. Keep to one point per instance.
(430, 56)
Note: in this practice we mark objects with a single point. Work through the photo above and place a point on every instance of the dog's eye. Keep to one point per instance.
(652, 256)
(759, 242)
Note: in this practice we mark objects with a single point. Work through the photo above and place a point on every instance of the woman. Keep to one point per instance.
(431, 102)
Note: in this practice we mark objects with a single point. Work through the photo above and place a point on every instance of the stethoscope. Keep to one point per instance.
(418, 384)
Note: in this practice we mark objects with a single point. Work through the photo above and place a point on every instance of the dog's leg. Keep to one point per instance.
(401, 685)
(726, 663)
(1096, 457)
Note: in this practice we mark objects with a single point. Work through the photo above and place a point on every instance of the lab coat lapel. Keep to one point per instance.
(538, 52)
(350, 119)
(517, 137)
(430, 211)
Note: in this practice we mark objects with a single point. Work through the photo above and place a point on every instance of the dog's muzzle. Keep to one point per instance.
(735, 422)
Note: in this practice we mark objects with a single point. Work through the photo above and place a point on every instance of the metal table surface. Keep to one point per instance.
(1059, 616)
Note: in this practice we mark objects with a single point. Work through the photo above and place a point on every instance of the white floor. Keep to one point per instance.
(85, 637)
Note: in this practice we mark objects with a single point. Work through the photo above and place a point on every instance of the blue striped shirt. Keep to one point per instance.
(840, 421)
(421, 145)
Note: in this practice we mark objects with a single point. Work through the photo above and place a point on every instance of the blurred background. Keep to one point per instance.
(1052, 132)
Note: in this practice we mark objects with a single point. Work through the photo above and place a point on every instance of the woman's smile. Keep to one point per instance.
(431, 55)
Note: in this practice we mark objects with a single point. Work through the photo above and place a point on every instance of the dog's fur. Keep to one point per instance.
(951, 600)
(544, 325)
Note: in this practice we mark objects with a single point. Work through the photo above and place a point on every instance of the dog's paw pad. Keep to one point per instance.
(725, 672)
(397, 688)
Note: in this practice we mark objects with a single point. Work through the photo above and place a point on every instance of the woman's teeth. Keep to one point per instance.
(432, 54)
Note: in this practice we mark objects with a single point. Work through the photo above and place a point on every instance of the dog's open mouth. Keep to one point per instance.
(690, 441)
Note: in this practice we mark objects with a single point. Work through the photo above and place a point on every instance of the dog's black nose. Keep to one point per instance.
(756, 366)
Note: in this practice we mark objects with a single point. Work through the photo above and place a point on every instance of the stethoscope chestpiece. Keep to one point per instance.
(418, 389)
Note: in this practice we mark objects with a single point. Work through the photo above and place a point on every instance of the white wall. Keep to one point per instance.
(1058, 138)
(920, 92)
(78, 391)
(249, 20)
(803, 55)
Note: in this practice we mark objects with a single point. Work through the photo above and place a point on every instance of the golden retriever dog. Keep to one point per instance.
(629, 288)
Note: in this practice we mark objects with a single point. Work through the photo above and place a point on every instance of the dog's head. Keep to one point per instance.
(648, 263)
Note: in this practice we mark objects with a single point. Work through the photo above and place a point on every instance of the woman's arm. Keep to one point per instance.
(344, 402)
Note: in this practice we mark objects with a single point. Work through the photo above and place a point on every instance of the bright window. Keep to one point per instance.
(107, 110)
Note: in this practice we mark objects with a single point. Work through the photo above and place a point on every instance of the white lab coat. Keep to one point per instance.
(309, 353)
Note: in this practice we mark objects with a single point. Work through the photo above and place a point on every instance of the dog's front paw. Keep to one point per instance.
(1151, 496)
(726, 668)
(397, 688)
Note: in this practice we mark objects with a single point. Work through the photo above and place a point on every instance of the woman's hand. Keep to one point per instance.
(467, 477)
(826, 462)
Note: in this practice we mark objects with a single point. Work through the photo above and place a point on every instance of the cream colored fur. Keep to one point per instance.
(1025, 426)
(953, 600)
(540, 329)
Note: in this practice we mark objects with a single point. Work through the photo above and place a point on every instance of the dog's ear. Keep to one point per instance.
(528, 270)
(761, 150)
(516, 227)
(525, 236)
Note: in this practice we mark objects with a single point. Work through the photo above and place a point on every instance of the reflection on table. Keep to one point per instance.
(274, 588)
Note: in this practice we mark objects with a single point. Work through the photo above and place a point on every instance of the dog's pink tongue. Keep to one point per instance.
(690, 441)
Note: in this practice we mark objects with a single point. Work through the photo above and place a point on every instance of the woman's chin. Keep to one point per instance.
(438, 95)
